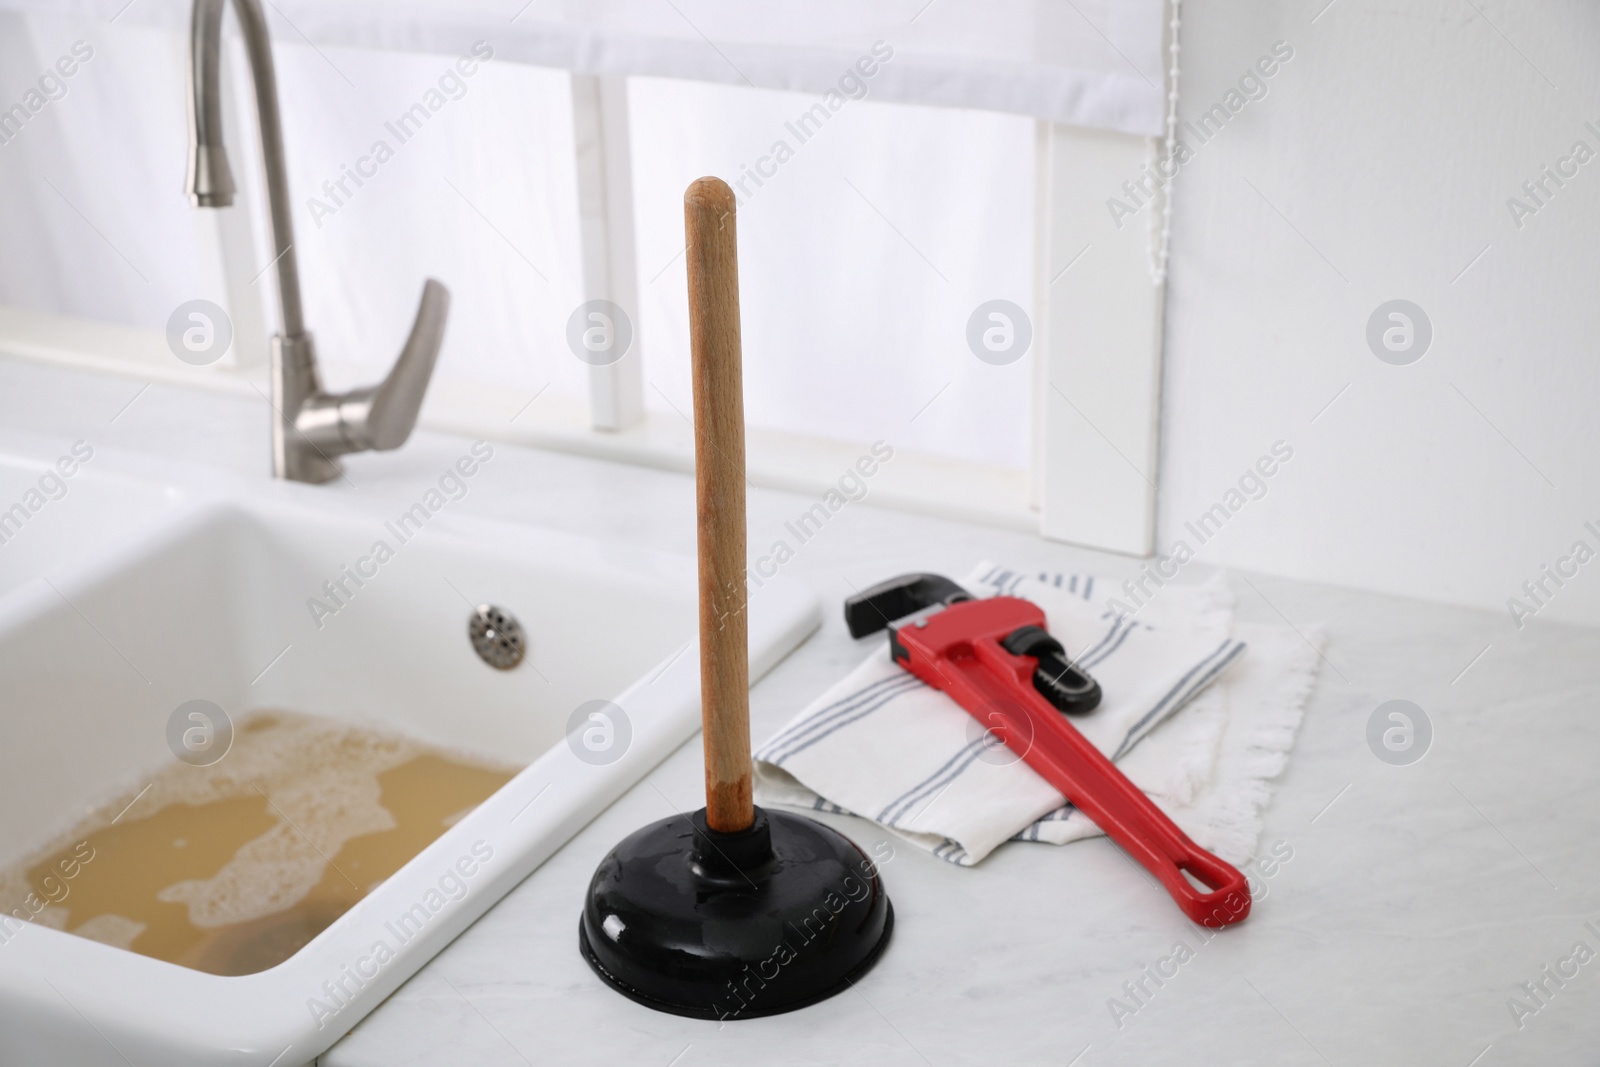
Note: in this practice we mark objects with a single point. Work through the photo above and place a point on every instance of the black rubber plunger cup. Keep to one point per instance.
(734, 925)
(732, 912)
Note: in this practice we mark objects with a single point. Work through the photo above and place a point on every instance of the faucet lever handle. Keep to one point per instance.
(397, 400)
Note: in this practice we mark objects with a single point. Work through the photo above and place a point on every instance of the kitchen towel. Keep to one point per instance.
(883, 745)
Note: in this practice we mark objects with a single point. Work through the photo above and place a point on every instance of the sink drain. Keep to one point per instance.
(496, 637)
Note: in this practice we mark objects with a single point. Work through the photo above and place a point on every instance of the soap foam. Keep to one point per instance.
(111, 930)
(321, 780)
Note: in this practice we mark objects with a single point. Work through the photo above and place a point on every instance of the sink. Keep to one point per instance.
(46, 515)
(224, 600)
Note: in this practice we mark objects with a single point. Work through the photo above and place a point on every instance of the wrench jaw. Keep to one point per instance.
(913, 623)
(899, 599)
(933, 643)
(910, 602)
(1057, 678)
(1011, 630)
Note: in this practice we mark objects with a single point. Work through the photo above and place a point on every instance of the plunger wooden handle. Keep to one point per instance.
(712, 258)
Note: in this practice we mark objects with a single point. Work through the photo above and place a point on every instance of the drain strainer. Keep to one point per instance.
(496, 637)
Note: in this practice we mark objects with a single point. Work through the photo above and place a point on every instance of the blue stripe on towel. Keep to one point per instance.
(797, 727)
(952, 769)
(1089, 659)
(1031, 831)
(794, 746)
(1185, 688)
(822, 715)
(1116, 627)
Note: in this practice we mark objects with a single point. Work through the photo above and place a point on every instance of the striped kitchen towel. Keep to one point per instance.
(883, 745)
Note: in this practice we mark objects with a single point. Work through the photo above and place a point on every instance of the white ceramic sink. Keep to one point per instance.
(47, 514)
(213, 604)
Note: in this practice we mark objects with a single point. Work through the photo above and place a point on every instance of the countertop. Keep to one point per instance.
(1415, 903)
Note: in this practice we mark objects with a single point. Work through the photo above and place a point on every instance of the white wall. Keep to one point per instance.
(1391, 142)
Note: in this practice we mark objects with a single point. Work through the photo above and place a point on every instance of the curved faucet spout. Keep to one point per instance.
(210, 178)
(311, 427)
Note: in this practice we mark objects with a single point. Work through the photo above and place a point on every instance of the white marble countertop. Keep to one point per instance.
(1417, 901)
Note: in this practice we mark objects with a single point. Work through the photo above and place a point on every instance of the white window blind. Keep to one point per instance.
(1089, 63)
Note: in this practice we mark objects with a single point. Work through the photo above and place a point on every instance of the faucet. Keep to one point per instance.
(310, 427)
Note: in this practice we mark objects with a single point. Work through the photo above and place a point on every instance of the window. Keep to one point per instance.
(861, 258)
(887, 191)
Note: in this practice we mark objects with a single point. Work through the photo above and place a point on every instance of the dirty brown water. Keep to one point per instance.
(231, 869)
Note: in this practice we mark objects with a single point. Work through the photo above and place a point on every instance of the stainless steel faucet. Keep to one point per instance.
(311, 427)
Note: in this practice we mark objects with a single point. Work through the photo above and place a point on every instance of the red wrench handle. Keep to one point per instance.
(996, 688)
(1067, 760)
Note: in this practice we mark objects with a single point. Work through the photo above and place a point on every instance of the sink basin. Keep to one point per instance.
(252, 605)
(46, 515)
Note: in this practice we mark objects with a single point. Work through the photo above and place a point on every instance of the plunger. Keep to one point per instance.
(732, 912)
